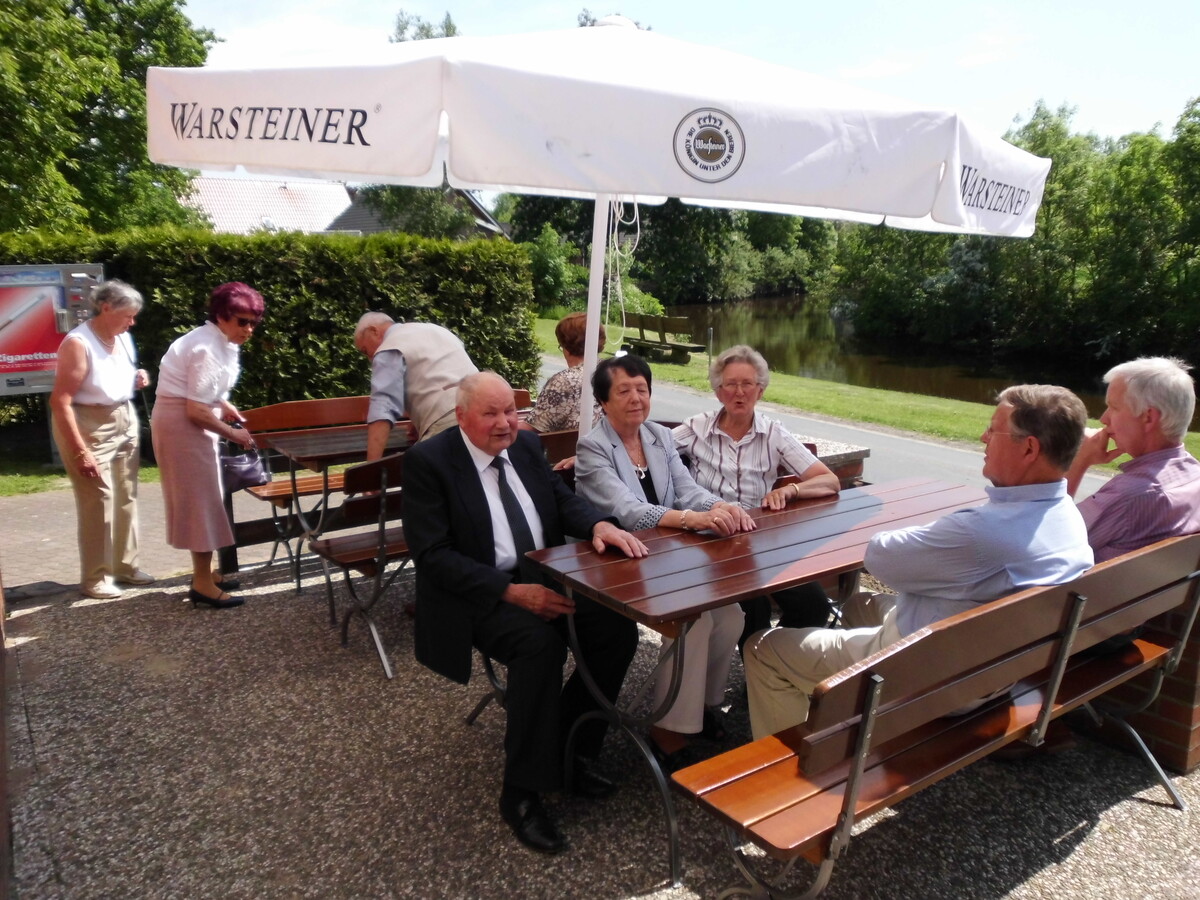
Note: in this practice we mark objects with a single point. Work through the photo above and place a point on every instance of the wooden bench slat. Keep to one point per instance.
(787, 811)
(280, 489)
(295, 414)
(353, 550)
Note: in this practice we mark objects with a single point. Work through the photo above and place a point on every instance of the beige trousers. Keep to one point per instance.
(106, 506)
(784, 665)
(707, 659)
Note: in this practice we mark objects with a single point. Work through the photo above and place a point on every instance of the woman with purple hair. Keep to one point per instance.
(191, 414)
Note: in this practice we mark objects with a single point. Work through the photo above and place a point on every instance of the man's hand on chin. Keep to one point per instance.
(539, 600)
(1095, 450)
(606, 534)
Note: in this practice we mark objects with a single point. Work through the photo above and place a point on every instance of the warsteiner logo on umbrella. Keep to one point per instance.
(709, 145)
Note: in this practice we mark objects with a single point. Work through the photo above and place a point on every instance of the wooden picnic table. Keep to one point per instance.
(688, 573)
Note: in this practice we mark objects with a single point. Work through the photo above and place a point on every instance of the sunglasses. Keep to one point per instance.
(244, 322)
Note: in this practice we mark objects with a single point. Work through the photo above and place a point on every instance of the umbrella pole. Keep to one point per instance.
(595, 303)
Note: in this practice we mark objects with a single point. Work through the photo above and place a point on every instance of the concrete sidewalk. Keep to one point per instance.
(39, 554)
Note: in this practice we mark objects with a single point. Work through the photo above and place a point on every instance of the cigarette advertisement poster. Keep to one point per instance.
(28, 337)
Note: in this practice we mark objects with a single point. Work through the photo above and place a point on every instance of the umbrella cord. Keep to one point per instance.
(618, 253)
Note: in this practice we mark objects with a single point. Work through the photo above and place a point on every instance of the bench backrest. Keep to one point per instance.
(559, 444)
(295, 414)
(947, 665)
(640, 322)
(375, 484)
(658, 328)
(678, 325)
(299, 414)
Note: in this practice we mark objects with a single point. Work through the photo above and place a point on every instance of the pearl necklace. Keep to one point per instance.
(109, 344)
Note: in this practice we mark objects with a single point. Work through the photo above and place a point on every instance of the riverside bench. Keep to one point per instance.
(373, 499)
(659, 334)
(885, 728)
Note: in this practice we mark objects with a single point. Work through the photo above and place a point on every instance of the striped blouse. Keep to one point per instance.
(742, 471)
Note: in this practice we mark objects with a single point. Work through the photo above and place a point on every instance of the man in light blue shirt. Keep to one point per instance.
(1028, 533)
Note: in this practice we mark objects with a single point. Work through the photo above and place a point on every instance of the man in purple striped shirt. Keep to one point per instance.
(1157, 494)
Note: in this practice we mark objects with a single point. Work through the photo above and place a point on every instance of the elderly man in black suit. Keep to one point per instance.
(476, 499)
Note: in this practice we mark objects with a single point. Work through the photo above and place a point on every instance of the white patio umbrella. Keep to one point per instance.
(606, 113)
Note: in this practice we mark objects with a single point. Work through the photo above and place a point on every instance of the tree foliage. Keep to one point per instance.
(73, 99)
(429, 212)
(1110, 273)
(414, 28)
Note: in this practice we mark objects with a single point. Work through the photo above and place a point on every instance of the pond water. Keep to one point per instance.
(796, 340)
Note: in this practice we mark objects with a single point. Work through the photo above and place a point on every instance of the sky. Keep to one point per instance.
(1123, 66)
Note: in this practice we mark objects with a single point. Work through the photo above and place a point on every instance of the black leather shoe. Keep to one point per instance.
(228, 584)
(226, 602)
(589, 784)
(674, 761)
(532, 825)
(713, 727)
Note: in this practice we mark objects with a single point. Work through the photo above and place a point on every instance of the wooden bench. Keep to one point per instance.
(560, 445)
(657, 334)
(282, 528)
(373, 498)
(295, 415)
(883, 729)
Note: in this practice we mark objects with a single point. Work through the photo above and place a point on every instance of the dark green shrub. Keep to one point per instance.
(316, 287)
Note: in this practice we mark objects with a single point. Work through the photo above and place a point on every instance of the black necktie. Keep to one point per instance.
(522, 536)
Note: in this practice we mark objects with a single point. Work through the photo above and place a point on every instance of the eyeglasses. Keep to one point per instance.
(244, 322)
(989, 431)
(735, 386)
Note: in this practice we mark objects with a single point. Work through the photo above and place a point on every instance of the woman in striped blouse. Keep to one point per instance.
(736, 453)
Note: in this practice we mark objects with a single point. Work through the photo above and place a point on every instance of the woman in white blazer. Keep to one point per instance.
(628, 467)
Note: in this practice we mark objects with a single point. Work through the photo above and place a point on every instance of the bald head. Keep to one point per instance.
(487, 412)
(369, 332)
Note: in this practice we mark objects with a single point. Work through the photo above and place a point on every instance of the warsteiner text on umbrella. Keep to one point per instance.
(319, 124)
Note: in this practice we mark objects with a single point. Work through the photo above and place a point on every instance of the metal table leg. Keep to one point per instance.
(633, 726)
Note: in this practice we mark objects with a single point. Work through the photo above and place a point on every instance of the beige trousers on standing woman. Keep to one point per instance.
(106, 506)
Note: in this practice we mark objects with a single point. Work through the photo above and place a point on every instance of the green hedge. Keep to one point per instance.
(316, 287)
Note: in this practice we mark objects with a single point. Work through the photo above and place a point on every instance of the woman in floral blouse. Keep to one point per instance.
(557, 406)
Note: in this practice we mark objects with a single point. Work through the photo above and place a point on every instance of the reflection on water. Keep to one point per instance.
(796, 340)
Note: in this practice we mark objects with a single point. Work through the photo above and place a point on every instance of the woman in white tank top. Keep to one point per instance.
(96, 430)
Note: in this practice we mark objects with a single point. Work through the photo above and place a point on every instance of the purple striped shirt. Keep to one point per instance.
(1156, 496)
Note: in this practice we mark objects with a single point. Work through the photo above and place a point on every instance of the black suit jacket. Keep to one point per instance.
(449, 530)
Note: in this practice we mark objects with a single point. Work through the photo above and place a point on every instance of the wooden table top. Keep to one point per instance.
(687, 573)
(319, 448)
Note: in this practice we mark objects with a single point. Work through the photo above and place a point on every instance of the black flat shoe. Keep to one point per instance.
(532, 825)
(589, 784)
(670, 762)
(228, 584)
(713, 729)
(227, 602)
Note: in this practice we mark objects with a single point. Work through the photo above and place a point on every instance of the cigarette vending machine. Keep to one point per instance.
(38, 305)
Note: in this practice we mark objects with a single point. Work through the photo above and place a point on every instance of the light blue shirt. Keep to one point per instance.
(388, 373)
(1023, 536)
